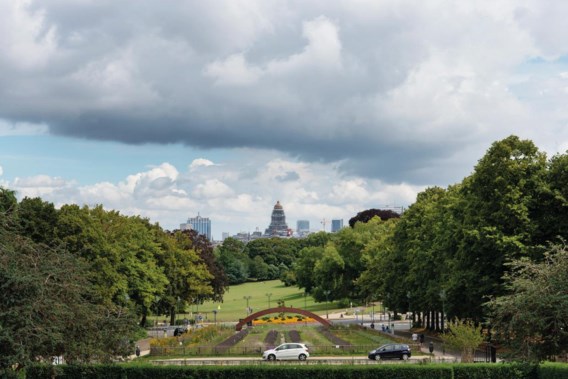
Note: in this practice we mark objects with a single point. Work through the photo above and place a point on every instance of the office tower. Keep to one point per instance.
(201, 225)
(336, 225)
(302, 226)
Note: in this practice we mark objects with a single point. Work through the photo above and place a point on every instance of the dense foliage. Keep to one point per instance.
(532, 320)
(451, 250)
(76, 281)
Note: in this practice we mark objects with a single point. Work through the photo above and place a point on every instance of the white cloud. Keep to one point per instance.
(200, 162)
(166, 196)
(212, 188)
(27, 41)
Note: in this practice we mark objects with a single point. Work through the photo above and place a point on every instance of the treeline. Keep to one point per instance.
(450, 251)
(264, 258)
(76, 281)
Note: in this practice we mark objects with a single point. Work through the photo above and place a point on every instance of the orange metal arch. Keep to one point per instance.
(303, 312)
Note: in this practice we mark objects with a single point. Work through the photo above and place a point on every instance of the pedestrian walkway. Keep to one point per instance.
(144, 346)
(440, 353)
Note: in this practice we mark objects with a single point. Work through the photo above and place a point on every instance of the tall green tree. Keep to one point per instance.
(189, 279)
(218, 281)
(500, 199)
(48, 308)
(122, 252)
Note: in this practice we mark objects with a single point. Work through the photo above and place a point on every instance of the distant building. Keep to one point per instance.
(336, 225)
(224, 236)
(201, 225)
(302, 226)
(278, 226)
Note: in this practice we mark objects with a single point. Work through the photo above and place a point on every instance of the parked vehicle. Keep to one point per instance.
(287, 351)
(179, 331)
(391, 351)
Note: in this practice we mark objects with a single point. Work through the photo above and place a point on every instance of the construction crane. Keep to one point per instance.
(324, 223)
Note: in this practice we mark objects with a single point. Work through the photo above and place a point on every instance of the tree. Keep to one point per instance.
(532, 318)
(122, 252)
(369, 214)
(218, 281)
(37, 220)
(48, 308)
(498, 207)
(464, 336)
(304, 267)
(230, 254)
(8, 201)
(188, 276)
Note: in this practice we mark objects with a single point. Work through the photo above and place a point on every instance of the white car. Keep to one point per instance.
(287, 351)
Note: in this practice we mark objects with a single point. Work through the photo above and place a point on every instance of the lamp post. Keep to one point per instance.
(409, 310)
(215, 316)
(326, 293)
(268, 295)
(247, 298)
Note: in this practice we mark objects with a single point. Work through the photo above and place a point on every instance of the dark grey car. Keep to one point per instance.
(391, 351)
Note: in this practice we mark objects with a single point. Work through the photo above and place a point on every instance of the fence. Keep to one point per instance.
(256, 350)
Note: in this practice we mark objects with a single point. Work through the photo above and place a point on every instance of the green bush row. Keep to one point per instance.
(459, 371)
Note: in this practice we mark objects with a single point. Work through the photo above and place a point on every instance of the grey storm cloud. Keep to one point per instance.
(387, 89)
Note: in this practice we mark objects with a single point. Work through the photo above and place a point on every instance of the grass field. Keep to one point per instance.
(234, 305)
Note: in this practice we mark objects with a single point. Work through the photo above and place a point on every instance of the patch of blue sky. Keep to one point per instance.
(88, 161)
(534, 77)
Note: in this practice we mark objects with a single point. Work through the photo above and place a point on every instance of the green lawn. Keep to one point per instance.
(234, 305)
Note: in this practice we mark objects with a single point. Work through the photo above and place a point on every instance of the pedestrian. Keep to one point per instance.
(137, 350)
(414, 337)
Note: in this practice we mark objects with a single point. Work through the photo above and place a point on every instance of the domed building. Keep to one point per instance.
(278, 226)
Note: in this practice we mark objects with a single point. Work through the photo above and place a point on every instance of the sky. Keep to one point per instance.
(222, 107)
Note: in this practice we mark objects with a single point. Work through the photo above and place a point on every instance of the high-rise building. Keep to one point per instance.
(336, 225)
(302, 226)
(278, 226)
(201, 225)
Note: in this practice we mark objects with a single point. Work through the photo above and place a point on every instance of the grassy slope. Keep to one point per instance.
(234, 306)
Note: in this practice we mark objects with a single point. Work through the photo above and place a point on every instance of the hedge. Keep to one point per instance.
(394, 371)
(240, 372)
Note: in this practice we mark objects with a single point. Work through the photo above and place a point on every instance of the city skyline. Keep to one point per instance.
(330, 107)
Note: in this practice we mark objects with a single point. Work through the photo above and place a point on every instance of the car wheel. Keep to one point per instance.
(404, 357)
(302, 357)
(272, 357)
(377, 357)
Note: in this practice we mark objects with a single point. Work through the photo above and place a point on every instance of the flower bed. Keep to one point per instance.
(294, 336)
(282, 320)
(270, 339)
(231, 341)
